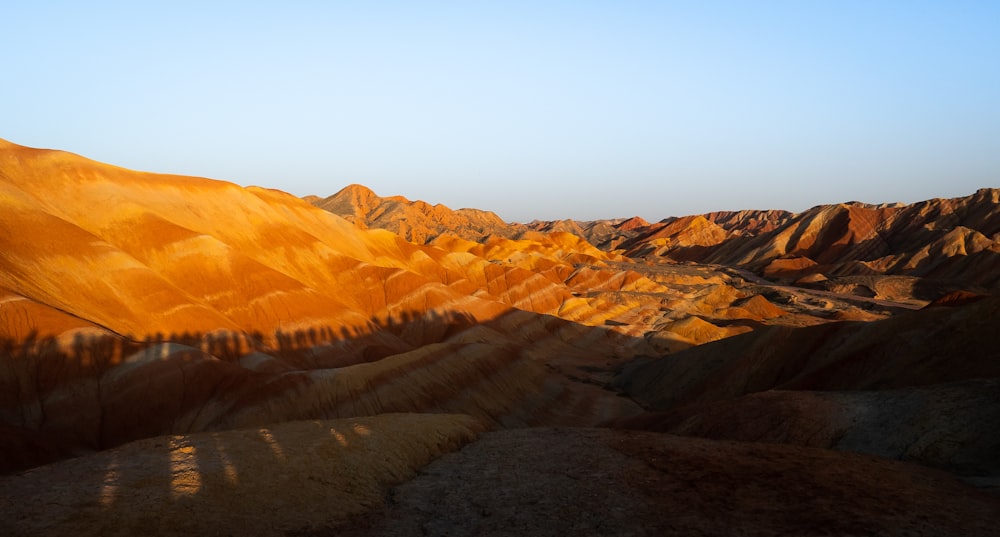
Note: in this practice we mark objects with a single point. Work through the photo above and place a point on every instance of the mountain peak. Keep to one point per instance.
(416, 221)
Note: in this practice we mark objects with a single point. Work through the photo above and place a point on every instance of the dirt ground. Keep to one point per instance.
(548, 481)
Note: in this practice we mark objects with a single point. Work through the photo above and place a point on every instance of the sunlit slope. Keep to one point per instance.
(137, 304)
(144, 254)
(188, 254)
(593, 286)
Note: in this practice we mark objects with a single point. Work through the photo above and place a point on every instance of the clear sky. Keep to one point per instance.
(534, 109)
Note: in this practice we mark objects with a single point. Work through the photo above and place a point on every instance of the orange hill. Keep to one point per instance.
(240, 302)
(415, 221)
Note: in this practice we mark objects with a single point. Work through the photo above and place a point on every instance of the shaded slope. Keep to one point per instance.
(920, 386)
(946, 426)
(922, 347)
(265, 481)
(333, 478)
(603, 482)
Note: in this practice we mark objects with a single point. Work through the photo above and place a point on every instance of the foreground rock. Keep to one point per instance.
(604, 482)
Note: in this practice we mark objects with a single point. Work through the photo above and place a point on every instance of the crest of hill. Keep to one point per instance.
(952, 243)
(688, 231)
(954, 239)
(947, 243)
(750, 222)
(415, 221)
(632, 233)
(633, 223)
(607, 235)
(422, 223)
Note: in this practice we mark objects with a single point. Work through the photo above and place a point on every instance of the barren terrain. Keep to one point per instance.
(197, 357)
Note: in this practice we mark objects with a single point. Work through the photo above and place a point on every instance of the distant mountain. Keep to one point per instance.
(919, 252)
(415, 221)
(944, 244)
(945, 239)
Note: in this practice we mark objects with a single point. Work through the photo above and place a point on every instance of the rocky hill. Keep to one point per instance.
(919, 251)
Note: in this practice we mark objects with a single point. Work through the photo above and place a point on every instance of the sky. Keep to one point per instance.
(533, 110)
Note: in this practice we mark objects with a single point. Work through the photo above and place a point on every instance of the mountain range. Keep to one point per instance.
(198, 357)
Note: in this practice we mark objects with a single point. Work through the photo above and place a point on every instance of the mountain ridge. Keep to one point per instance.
(182, 342)
(948, 242)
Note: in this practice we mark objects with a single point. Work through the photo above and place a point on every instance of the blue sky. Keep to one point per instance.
(542, 110)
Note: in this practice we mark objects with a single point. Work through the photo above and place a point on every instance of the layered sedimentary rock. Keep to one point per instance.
(217, 344)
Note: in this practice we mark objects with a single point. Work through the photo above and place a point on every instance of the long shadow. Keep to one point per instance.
(62, 398)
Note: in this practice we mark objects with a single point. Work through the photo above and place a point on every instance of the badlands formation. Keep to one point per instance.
(184, 356)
